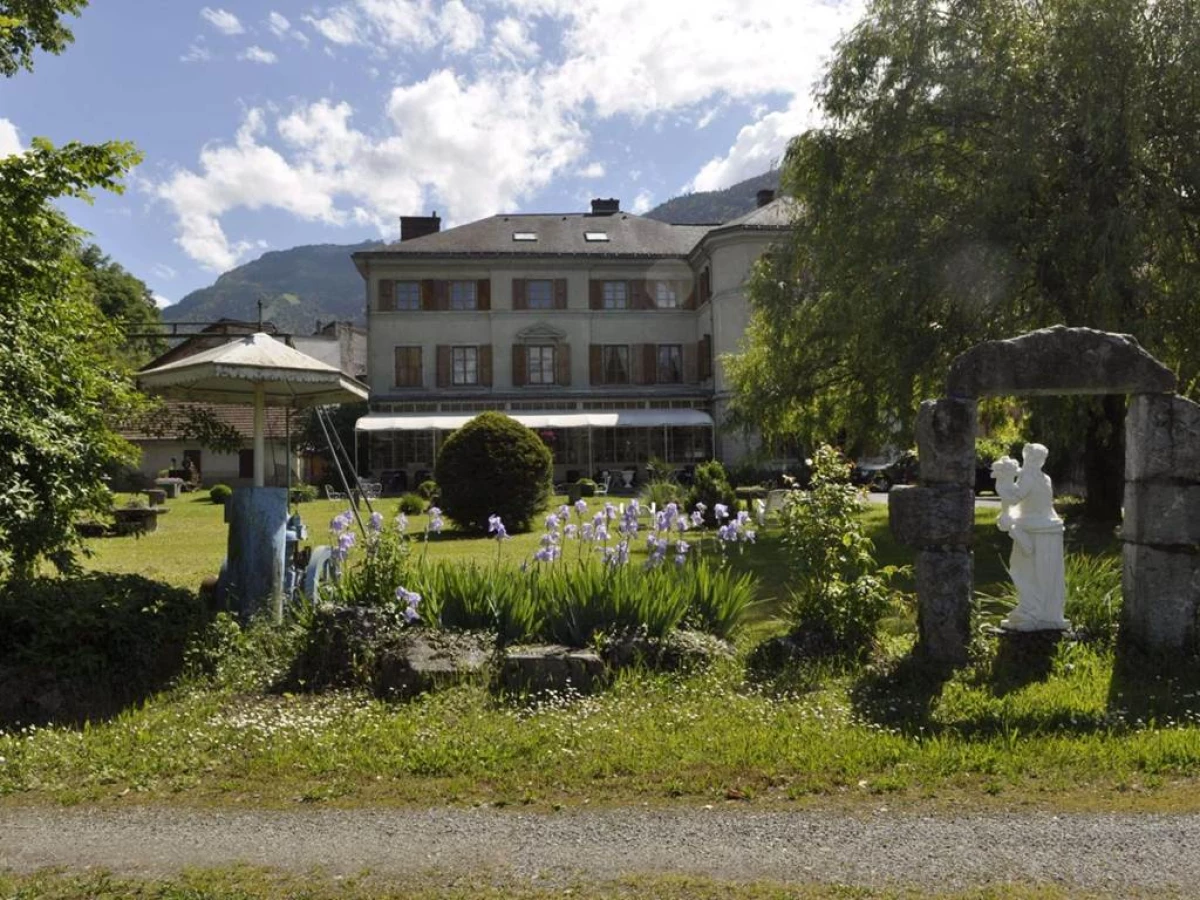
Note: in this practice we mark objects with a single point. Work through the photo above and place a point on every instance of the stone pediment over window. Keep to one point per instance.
(541, 333)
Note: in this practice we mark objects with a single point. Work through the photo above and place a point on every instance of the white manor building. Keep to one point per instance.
(602, 331)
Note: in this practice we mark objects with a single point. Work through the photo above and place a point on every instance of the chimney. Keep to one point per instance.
(606, 207)
(765, 196)
(419, 226)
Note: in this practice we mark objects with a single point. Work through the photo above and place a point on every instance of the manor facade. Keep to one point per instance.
(603, 331)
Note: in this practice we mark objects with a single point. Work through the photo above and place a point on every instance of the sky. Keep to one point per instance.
(265, 125)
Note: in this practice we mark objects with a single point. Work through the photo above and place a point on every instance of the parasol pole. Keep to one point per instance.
(260, 423)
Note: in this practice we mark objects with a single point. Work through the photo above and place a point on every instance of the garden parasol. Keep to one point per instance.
(256, 368)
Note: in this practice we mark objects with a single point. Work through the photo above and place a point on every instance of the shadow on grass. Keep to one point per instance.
(80, 649)
(900, 696)
(1158, 688)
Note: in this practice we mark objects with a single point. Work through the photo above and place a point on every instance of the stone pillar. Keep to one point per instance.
(1161, 531)
(937, 519)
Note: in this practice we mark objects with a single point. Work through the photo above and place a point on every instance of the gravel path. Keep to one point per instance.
(1100, 852)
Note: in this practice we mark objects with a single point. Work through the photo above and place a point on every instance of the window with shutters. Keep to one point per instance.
(539, 294)
(616, 295)
(408, 367)
(665, 295)
(614, 363)
(670, 363)
(407, 294)
(464, 365)
(539, 365)
(463, 296)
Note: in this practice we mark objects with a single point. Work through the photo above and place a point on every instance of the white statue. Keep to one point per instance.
(1036, 566)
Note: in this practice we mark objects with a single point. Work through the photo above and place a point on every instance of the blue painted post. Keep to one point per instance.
(257, 518)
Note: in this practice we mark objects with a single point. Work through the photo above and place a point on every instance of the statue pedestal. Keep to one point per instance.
(1024, 656)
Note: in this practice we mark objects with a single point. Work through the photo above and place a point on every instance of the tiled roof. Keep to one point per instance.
(557, 235)
(239, 417)
(776, 214)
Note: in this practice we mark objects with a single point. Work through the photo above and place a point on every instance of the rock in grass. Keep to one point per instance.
(551, 668)
(681, 650)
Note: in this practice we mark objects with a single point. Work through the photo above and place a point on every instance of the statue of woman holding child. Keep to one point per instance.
(1036, 566)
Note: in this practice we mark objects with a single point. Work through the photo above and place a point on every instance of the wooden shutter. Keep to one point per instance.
(645, 364)
(441, 293)
(443, 365)
(639, 294)
(595, 364)
(560, 293)
(485, 365)
(637, 364)
(387, 295)
(483, 293)
(705, 285)
(562, 364)
(401, 363)
(704, 362)
(520, 298)
(518, 365)
(689, 364)
(687, 294)
(595, 295)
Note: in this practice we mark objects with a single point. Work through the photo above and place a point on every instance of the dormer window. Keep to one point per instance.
(524, 235)
(595, 236)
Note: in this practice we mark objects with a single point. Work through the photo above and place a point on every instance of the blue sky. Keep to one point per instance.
(270, 124)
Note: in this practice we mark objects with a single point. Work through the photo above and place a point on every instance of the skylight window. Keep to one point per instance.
(595, 235)
(524, 235)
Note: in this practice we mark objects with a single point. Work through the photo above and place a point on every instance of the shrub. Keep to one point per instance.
(587, 487)
(660, 493)
(374, 579)
(428, 489)
(711, 486)
(302, 493)
(494, 465)
(219, 493)
(718, 597)
(839, 596)
(412, 504)
(473, 598)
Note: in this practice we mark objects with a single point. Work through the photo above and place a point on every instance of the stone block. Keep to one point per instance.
(1162, 438)
(945, 434)
(932, 516)
(945, 583)
(550, 668)
(1059, 360)
(1161, 594)
(1163, 514)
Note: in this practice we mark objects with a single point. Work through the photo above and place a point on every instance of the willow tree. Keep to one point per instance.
(985, 167)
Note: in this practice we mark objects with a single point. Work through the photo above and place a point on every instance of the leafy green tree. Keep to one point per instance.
(28, 25)
(127, 302)
(987, 167)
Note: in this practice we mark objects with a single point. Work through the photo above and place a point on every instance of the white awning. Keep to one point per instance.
(617, 418)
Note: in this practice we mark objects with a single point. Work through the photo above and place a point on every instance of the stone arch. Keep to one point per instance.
(1161, 530)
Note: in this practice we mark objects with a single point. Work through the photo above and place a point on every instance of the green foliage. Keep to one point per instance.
(412, 504)
(219, 493)
(477, 598)
(660, 493)
(587, 487)
(838, 597)
(373, 578)
(191, 423)
(494, 465)
(29, 25)
(711, 486)
(303, 493)
(718, 597)
(985, 167)
(63, 378)
(428, 489)
(127, 302)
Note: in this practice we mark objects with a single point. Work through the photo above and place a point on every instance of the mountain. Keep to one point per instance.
(297, 287)
(711, 207)
(302, 285)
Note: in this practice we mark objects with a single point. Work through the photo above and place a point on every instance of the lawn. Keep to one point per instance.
(1076, 733)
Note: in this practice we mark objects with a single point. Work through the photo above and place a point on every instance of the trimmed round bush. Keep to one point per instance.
(711, 486)
(428, 489)
(494, 465)
(412, 504)
(220, 493)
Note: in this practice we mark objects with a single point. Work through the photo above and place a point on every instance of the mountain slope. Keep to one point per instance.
(297, 287)
(305, 284)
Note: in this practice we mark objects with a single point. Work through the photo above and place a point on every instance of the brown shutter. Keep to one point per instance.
(705, 286)
(387, 295)
(639, 294)
(441, 291)
(483, 293)
(595, 364)
(562, 364)
(704, 352)
(687, 293)
(519, 297)
(485, 365)
(560, 293)
(401, 369)
(637, 367)
(596, 295)
(518, 365)
(690, 353)
(443, 365)
(428, 294)
(648, 355)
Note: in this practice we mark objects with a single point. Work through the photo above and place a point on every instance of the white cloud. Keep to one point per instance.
(643, 202)
(461, 29)
(758, 147)
(402, 23)
(591, 170)
(162, 302)
(340, 27)
(197, 52)
(511, 41)
(257, 54)
(163, 271)
(222, 20)
(10, 139)
(282, 28)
